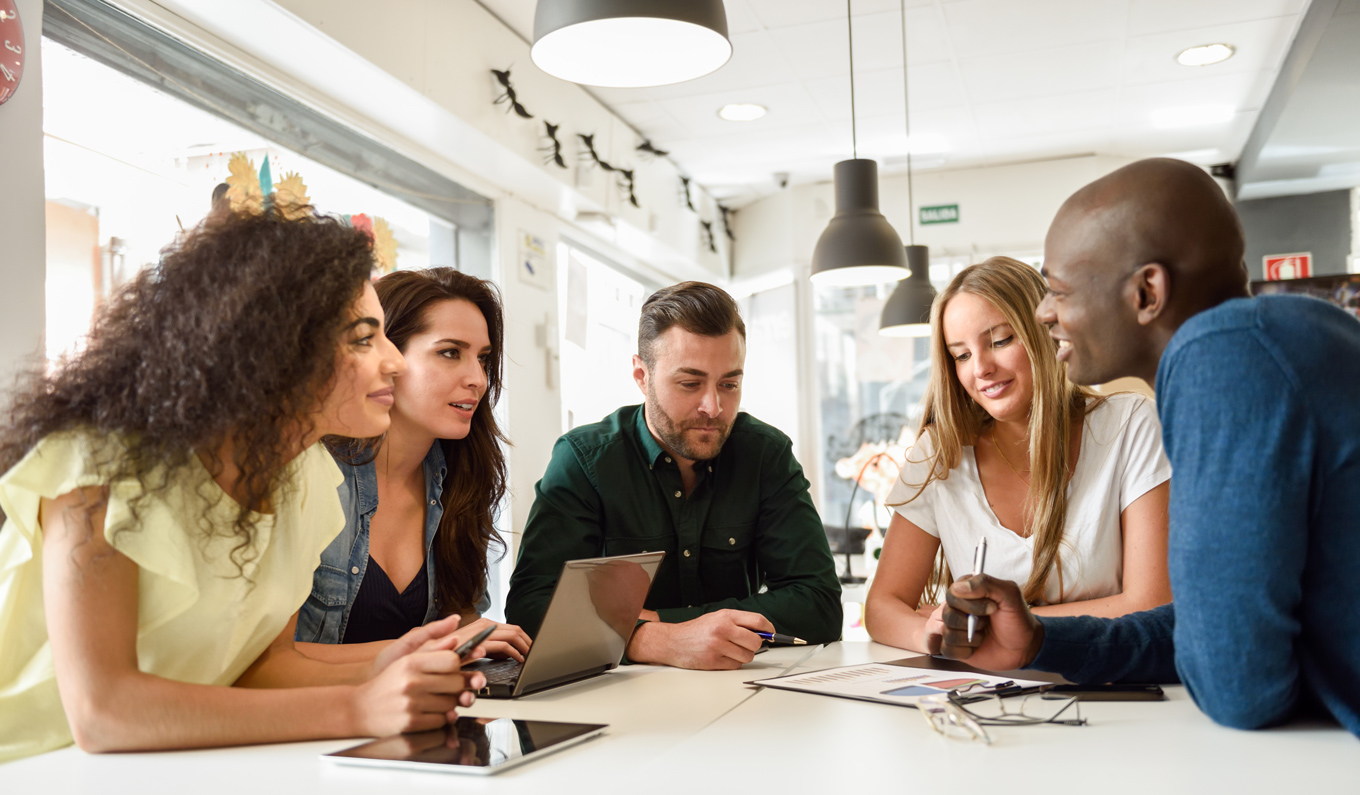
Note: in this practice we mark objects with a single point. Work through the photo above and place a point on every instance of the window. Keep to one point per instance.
(599, 306)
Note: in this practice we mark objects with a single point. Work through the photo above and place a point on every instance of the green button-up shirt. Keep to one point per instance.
(746, 538)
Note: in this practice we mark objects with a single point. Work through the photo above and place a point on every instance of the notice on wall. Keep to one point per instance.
(1288, 266)
(533, 261)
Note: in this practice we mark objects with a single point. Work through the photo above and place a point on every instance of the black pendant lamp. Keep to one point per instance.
(859, 246)
(630, 43)
(907, 312)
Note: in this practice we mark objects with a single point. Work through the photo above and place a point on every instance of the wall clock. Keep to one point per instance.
(11, 50)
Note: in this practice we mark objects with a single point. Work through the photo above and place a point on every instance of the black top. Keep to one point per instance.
(380, 613)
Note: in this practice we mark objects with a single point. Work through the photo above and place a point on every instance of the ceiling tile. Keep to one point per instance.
(880, 93)
(1070, 112)
(789, 105)
(784, 13)
(740, 17)
(1041, 73)
(984, 27)
(756, 61)
(821, 49)
(1236, 92)
(1158, 16)
(1261, 44)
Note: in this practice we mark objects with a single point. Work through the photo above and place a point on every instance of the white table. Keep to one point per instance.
(701, 732)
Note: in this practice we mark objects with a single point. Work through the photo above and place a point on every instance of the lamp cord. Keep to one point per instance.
(850, 29)
(906, 110)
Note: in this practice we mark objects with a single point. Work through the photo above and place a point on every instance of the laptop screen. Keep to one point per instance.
(590, 618)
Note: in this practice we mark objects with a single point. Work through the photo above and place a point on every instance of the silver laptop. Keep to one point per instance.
(586, 629)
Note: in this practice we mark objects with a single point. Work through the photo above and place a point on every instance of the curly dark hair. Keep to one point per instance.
(476, 482)
(232, 337)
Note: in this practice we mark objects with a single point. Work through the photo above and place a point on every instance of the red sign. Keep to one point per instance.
(1288, 266)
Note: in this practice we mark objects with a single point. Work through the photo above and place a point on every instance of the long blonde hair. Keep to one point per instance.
(953, 419)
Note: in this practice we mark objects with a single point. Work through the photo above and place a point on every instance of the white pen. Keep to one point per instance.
(979, 560)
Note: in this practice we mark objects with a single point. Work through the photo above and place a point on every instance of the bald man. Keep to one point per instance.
(1259, 400)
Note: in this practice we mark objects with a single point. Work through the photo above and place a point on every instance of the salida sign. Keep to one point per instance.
(1288, 266)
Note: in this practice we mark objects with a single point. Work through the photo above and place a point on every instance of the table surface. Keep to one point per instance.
(673, 730)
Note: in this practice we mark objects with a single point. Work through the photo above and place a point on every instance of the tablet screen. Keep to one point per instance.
(469, 745)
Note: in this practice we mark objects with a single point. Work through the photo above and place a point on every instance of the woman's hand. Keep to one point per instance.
(507, 640)
(421, 690)
(434, 636)
(933, 631)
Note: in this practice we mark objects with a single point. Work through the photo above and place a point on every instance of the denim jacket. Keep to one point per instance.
(335, 583)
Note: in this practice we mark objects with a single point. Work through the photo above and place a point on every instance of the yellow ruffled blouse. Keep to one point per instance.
(198, 620)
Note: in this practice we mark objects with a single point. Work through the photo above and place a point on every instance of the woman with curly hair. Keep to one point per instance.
(420, 502)
(1068, 488)
(166, 501)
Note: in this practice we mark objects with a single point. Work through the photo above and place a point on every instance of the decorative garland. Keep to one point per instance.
(509, 96)
(706, 236)
(626, 177)
(553, 149)
(684, 187)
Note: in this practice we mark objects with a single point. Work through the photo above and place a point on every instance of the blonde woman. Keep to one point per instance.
(1069, 488)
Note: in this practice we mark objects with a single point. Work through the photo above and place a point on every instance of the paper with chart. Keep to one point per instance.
(888, 684)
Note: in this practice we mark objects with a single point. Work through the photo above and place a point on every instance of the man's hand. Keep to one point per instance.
(1007, 635)
(722, 640)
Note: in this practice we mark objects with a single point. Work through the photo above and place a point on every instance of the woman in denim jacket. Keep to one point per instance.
(419, 502)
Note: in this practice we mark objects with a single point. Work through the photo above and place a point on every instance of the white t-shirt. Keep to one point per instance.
(1121, 459)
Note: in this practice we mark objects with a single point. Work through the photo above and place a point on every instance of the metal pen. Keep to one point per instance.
(775, 637)
(979, 560)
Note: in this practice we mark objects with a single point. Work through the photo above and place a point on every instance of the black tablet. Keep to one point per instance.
(480, 746)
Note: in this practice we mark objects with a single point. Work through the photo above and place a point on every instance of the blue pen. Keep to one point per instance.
(788, 640)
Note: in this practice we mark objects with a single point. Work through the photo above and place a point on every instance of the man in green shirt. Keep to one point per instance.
(718, 491)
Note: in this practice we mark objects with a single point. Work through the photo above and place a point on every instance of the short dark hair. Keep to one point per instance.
(696, 307)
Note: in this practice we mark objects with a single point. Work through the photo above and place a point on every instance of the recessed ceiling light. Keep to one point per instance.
(1205, 54)
(742, 111)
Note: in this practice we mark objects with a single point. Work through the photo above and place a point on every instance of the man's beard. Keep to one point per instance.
(673, 435)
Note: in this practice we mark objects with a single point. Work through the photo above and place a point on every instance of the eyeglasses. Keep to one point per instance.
(951, 720)
(962, 713)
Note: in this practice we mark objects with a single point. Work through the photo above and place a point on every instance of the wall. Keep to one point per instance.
(22, 208)
(1316, 222)
(1001, 209)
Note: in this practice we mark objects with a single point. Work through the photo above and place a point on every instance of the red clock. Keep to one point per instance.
(11, 50)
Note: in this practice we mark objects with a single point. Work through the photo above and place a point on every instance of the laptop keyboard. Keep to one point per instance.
(500, 672)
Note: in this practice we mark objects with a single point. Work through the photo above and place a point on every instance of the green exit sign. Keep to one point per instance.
(940, 214)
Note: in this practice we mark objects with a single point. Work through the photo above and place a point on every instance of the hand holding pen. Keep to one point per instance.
(979, 560)
(987, 623)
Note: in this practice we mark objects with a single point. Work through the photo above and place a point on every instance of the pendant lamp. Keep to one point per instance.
(630, 43)
(858, 246)
(907, 312)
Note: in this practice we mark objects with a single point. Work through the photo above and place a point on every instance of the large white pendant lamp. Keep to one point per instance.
(630, 43)
(858, 246)
(907, 312)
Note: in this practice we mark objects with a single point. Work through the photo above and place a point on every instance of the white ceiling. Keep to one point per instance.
(992, 81)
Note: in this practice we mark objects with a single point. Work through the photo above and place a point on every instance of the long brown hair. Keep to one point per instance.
(954, 420)
(232, 336)
(476, 480)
